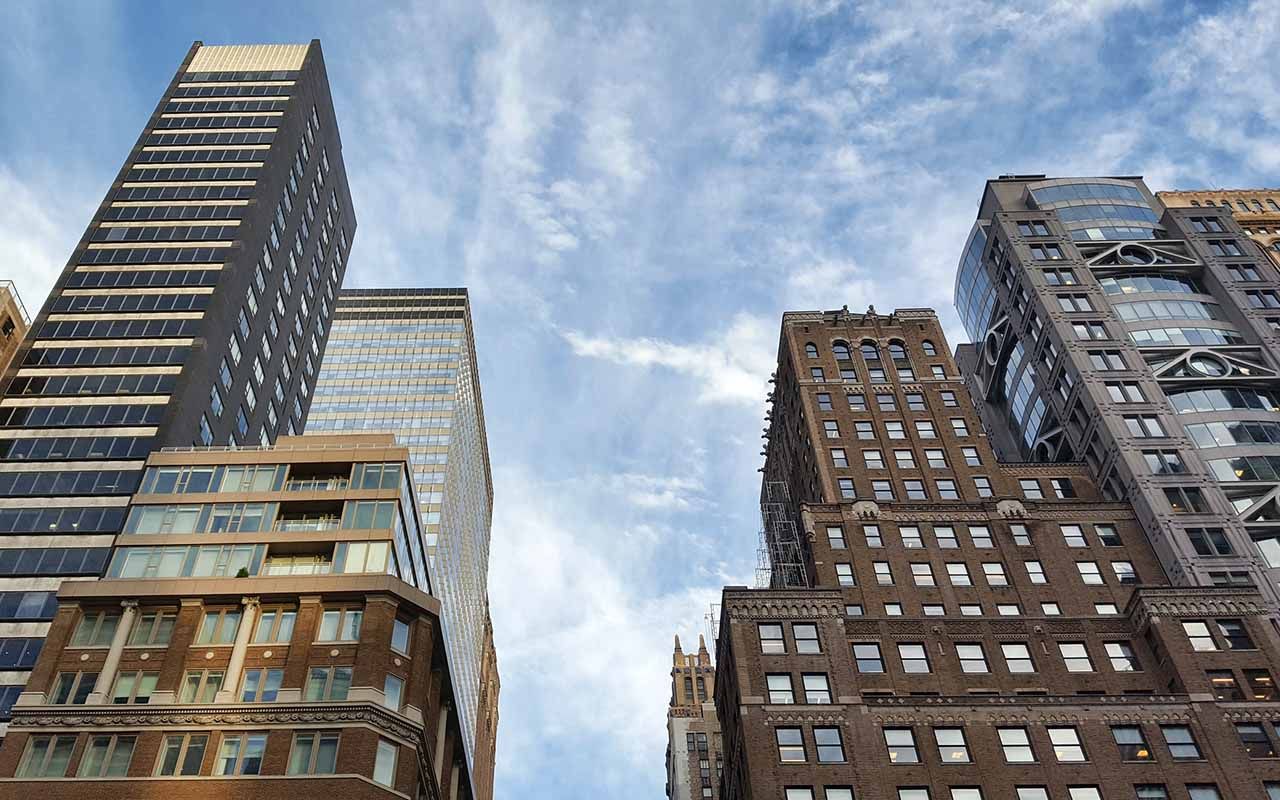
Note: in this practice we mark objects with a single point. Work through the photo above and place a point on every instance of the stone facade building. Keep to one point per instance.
(1257, 211)
(265, 630)
(943, 626)
(14, 322)
(694, 758)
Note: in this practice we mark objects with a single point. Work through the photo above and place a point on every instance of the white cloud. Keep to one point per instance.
(658, 492)
(36, 234)
(731, 368)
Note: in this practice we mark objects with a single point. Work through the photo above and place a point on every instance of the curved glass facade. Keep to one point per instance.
(1099, 211)
(1159, 337)
(975, 297)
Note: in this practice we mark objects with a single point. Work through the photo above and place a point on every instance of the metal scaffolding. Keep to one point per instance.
(780, 557)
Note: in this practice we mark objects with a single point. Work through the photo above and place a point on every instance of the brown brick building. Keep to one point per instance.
(694, 756)
(1257, 211)
(942, 626)
(265, 630)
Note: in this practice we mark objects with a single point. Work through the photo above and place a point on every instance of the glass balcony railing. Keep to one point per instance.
(316, 484)
(326, 523)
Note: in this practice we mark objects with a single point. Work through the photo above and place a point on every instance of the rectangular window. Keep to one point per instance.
(46, 756)
(904, 459)
(994, 572)
(901, 743)
(873, 459)
(327, 683)
(72, 688)
(790, 745)
(1254, 739)
(914, 658)
(107, 756)
(884, 574)
(952, 747)
(1122, 657)
(771, 640)
(972, 659)
(182, 754)
(1090, 574)
(922, 574)
(937, 459)
(1075, 656)
(780, 689)
(260, 685)
(1182, 744)
(241, 754)
(1016, 744)
(340, 625)
(844, 574)
(134, 687)
(806, 636)
(829, 745)
(314, 753)
(1067, 748)
(835, 537)
(868, 659)
(384, 764)
(838, 457)
(947, 489)
(958, 573)
(1017, 658)
(915, 490)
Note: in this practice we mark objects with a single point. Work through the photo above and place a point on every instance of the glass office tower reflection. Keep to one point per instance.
(403, 361)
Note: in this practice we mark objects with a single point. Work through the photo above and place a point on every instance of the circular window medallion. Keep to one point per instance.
(1207, 365)
(1133, 254)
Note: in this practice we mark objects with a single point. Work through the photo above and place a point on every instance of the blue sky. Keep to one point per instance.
(634, 195)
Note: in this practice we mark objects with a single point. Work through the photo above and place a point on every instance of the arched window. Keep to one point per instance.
(702, 690)
(841, 350)
(810, 350)
(897, 350)
(870, 352)
(929, 349)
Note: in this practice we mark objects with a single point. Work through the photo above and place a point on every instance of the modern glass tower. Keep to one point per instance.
(403, 361)
(193, 311)
(1142, 339)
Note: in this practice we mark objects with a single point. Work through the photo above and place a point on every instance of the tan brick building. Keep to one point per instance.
(265, 630)
(1257, 211)
(941, 626)
(14, 322)
(694, 758)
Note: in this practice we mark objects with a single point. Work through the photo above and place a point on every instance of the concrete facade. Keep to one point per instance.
(694, 756)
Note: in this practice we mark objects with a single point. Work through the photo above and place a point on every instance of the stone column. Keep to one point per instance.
(442, 725)
(248, 619)
(107, 675)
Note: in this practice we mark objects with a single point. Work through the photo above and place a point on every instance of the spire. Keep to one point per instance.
(678, 650)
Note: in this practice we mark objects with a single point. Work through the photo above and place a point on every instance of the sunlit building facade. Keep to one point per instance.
(193, 311)
(1257, 211)
(403, 361)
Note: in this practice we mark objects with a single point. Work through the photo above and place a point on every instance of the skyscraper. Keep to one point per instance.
(264, 630)
(1257, 211)
(694, 759)
(1142, 340)
(938, 625)
(403, 361)
(193, 311)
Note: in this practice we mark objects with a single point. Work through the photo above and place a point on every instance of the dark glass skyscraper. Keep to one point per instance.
(193, 311)
(1141, 339)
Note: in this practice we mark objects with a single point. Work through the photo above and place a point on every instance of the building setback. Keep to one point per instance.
(263, 631)
(943, 626)
(694, 759)
(193, 311)
(1257, 211)
(1142, 340)
(404, 361)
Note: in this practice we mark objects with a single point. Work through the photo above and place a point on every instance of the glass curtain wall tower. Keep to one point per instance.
(403, 361)
(1141, 339)
(193, 311)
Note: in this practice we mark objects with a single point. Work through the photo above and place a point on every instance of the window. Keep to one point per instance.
(868, 659)
(327, 683)
(1073, 535)
(1107, 360)
(928, 348)
(847, 491)
(958, 573)
(915, 401)
(981, 537)
(937, 459)
(275, 625)
(952, 747)
(994, 572)
(1122, 657)
(835, 538)
(937, 370)
(838, 457)
(96, 629)
(1016, 745)
(1150, 791)
(1199, 635)
(241, 754)
(790, 745)
(982, 486)
(200, 686)
(1066, 744)
(810, 350)
(1035, 572)
(1031, 488)
(134, 687)
(314, 753)
(1234, 634)
(795, 793)
(806, 636)
(970, 610)
(340, 625)
(817, 374)
(780, 689)
(853, 610)
(829, 745)
(972, 659)
(913, 794)
(1182, 744)
(1050, 610)
(910, 537)
(1062, 488)
(1126, 393)
(1046, 251)
(857, 402)
(1075, 656)
(1254, 739)
(771, 640)
(947, 489)
(904, 459)
(841, 351)
(895, 429)
(1088, 330)
(949, 399)
(922, 574)
(1261, 685)
(1074, 302)
(901, 743)
(915, 490)
(1124, 571)
(958, 427)
(219, 627)
(914, 659)
(182, 754)
(393, 692)
(831, 428)
(1083, 793)
(1017, 658)
(1107, 535)
(1090, 574)
(871, 533)
(883, 490)
(844, 575)
(933, 609)
(1143, 426)
(884, 576)
(864, 430)
(46, 756)
(886, 402)
(1203, 791)
(1210, 541)
(946, 536)
(1031, 793)
(72, 688)
(260, 685)
(1020, 535)
(384, 764)
(107, 756)
(873, 459)
(1106, 609)
(893, 609)
(824, 401)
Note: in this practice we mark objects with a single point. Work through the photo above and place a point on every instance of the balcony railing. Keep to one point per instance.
(316, 484)
(308, 524)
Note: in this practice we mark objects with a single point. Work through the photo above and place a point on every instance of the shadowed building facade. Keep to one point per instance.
(939, 625)
(1142, 340)
(694, 759)
(403, 361)
(194, 310)
(265, 629)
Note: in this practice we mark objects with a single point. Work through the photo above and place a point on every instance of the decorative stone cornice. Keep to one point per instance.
(832, 715)
(1195, 601)
(788, 603)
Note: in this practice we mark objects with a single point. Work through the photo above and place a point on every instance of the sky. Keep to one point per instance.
(634, 193)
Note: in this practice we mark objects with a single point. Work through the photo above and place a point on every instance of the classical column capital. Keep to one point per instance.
(250, 602)
(128, 605)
